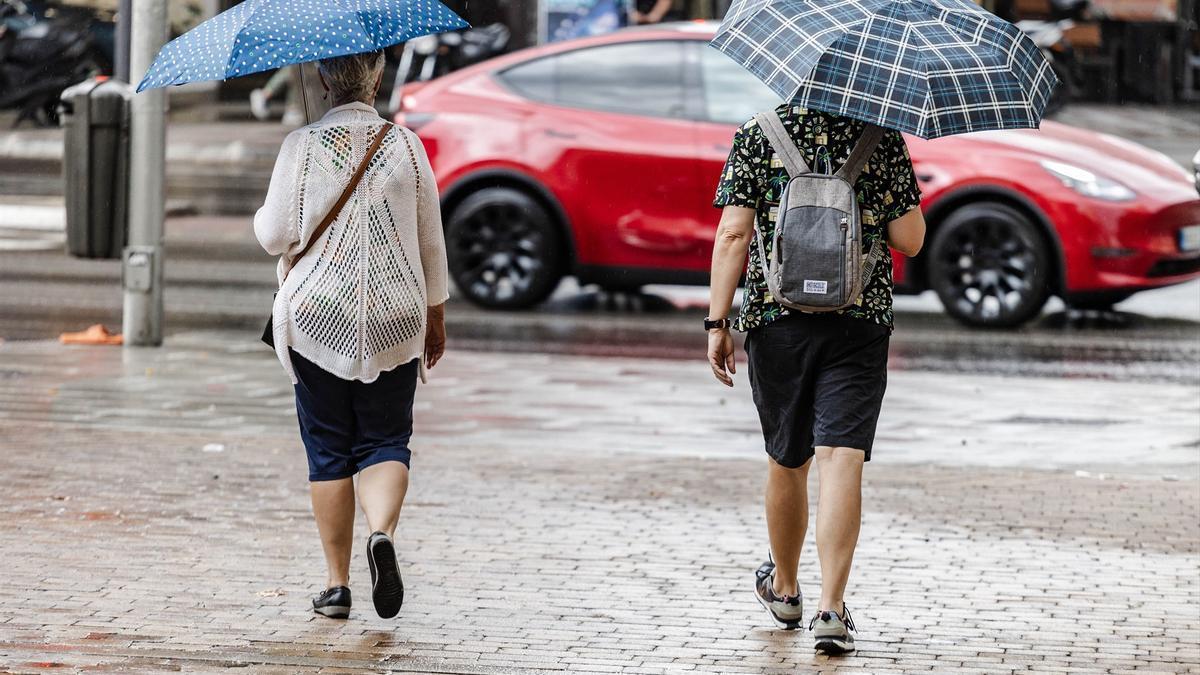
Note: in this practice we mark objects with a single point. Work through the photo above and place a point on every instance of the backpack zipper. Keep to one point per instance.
(845, 225)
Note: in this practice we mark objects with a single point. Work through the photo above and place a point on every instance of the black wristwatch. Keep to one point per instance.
(710, 324)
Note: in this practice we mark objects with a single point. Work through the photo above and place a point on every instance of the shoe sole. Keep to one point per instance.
(387, 592)
(833, 646)
(333, 611)
(782, 623)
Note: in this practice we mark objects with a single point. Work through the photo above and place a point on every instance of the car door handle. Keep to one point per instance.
(924, 177)
(558, 134)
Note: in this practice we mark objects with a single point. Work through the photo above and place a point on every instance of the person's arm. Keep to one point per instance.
(276, 224)
(906, 234)
(729, 259)
(656, 14)
(432, 243)
(900, 209)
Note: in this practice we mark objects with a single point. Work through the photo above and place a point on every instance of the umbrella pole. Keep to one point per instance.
(304, 95)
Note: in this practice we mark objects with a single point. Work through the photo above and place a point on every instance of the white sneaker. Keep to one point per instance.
(294, 118)
(258, 104)
(831, 632)
(787, 611)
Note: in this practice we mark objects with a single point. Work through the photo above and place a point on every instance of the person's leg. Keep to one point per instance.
(383, 413)
(281, 79)
(323, 406)
(787, 522)
(333, 507)
(839, 515)
(381, 491)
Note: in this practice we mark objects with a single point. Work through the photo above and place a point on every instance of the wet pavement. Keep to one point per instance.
(585, 497)
(584, 514)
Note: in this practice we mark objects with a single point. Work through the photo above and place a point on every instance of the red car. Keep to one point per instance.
(599, 158)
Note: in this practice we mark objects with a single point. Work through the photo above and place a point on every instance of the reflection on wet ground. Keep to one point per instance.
(1108, 345)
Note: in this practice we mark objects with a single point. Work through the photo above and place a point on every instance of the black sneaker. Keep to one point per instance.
(333, 602)
(387, 589)
(787, 611)
(831, 632)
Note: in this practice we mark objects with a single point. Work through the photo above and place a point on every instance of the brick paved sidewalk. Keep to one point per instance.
(155, 519)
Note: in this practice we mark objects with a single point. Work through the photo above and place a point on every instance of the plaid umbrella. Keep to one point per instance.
(928, 67)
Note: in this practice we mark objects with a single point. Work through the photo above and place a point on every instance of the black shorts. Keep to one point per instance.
(818, 380)
(348, 425)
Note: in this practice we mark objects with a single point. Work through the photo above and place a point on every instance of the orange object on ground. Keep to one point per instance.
(94, 335)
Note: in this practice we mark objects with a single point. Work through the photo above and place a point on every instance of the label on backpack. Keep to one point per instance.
(816, 287)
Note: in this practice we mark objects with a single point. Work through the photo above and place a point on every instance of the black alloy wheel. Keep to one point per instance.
(504, 250)
(990, 266)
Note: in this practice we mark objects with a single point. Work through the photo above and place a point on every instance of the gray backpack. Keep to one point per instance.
(816, 262)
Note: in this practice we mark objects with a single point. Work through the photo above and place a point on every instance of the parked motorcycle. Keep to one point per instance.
(1051, 38)
(41, 54)
(431, 56)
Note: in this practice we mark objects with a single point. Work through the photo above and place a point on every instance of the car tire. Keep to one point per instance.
(504, 249)
(990, 266)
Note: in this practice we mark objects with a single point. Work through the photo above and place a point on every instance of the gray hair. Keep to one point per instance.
(352, 77)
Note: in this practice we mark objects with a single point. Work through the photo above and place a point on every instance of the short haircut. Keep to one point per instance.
(352, 77)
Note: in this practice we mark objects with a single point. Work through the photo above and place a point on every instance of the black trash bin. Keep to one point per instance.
(95, 118)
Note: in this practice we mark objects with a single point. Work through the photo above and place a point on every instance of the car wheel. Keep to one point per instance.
(504, 250)
(990, 266)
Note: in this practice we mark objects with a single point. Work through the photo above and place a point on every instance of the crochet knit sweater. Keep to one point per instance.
(356, 303)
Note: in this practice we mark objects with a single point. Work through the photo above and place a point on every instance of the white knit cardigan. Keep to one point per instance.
(356, 303)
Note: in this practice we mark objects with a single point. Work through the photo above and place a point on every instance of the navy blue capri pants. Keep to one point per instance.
(348, 425)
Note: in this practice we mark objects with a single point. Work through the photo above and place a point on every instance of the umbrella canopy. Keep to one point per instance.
(928, 67)
(259, 35)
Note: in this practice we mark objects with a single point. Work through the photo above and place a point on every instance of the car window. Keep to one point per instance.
(641, 78)
(732, 94)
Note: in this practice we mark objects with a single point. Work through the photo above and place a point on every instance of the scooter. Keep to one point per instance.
(40, 57)
(431, 56)
(1050, 37)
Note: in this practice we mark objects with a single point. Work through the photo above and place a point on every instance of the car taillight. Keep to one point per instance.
(413, 120)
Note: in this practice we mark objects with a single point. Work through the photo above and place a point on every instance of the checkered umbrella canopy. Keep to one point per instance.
(928, 67)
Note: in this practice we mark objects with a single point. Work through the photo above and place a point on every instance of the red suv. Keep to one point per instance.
(599, 158)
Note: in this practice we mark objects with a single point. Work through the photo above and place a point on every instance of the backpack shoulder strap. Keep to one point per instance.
(871, 136)
(777, 134)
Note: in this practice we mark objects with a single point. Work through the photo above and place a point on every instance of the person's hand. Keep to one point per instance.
(720, 355)
(435, 336)
(637, 18)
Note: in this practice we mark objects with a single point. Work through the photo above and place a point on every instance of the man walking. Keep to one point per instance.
(817, 378)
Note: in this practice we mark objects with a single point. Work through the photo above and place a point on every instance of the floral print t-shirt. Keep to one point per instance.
(754, 177)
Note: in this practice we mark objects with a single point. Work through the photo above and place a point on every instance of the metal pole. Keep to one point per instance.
(142, 271)
(124, 18)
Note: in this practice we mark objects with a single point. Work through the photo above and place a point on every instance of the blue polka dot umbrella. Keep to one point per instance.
(928, 67)
(259, 35)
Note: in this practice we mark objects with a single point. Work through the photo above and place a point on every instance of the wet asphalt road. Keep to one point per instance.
(43, 293)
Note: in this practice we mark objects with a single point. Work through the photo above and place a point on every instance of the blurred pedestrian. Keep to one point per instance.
(357, 320)
(817, 378)
(283, 80)
(650, 11)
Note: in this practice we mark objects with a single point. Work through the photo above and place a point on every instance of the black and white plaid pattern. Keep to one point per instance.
(928, 67)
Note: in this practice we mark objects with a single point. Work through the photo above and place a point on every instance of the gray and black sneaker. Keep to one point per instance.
(831, 632)
(333, 602)
(787, 611)
(387, 588)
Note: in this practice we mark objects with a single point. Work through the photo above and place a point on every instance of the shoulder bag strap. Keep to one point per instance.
(777, 134)
(345, 196)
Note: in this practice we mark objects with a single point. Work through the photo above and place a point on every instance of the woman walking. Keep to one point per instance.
(817, 378)
(353, 212)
